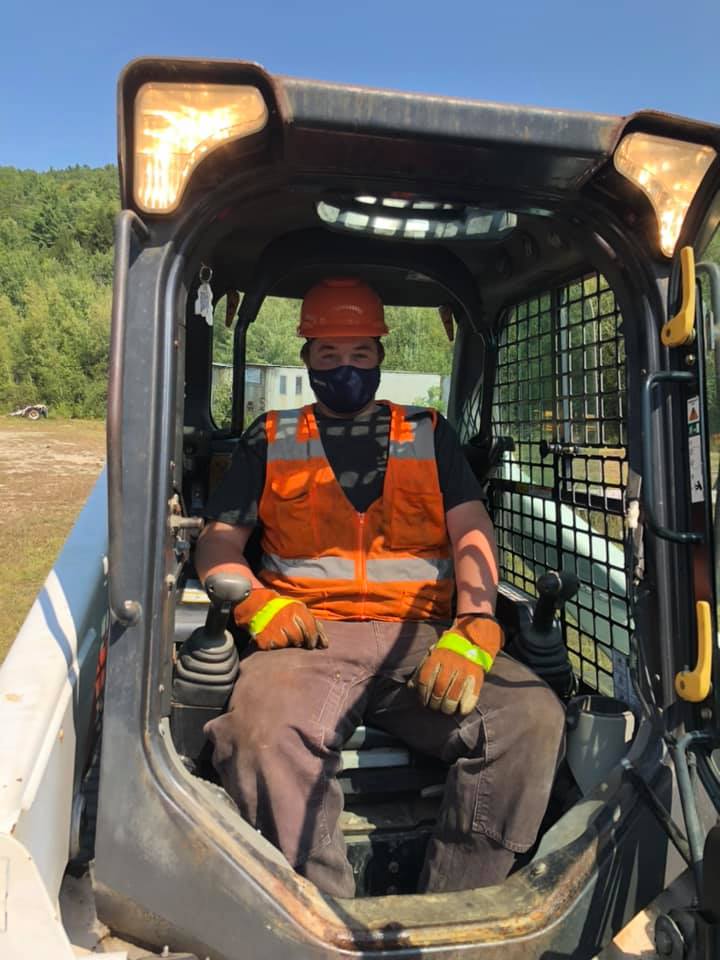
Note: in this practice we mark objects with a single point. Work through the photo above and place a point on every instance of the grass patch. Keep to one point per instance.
(47, 470)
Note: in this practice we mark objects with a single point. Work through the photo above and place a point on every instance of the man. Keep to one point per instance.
(366, 509)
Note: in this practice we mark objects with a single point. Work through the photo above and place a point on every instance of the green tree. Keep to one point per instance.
(221, 404)
(433, 398)
(56, 239)
(272, 338)
(417, 341)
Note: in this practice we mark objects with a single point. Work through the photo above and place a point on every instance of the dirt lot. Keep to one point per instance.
(47, 470)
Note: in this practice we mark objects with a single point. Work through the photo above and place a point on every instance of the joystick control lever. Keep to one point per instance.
(224, 591)
(538, 641)
(554, 588)
(206, 667)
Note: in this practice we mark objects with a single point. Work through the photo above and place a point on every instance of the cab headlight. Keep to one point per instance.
(177, 125)
(669, 172)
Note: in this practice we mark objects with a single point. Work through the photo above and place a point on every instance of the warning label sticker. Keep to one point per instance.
(697, 473)
(693, 416)
(697, 490)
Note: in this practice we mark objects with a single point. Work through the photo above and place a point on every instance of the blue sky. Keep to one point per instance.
(60, 60)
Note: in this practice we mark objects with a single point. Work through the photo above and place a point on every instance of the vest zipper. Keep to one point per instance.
(363, 563)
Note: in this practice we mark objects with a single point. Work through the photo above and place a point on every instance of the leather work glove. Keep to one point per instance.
(452, 673)
(275, 622)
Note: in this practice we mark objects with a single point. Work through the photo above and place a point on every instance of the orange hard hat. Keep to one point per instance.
(342, 307)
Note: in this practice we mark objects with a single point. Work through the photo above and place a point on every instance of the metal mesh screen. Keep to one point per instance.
(468, 424)
(559, 497)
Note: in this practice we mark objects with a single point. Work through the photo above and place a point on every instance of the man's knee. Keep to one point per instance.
(253, 731)
(521, 710)
(539, 724)
(251, 723)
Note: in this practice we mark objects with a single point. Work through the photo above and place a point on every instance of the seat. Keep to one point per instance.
(392, 797)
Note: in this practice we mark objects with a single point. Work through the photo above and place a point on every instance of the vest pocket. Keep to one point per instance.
(415, 520)
(292, 522)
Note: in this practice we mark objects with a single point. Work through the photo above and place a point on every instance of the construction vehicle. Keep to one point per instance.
(568, 255)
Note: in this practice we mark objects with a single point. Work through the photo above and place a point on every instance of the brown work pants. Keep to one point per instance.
(277, 750)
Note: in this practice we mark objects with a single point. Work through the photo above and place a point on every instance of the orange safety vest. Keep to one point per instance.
(393, 562)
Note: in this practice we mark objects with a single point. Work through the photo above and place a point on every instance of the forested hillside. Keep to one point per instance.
(56, 234)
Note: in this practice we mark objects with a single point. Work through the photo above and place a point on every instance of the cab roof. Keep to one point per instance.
(522, 147)
(327, 140)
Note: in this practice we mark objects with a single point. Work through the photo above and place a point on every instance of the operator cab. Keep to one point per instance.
(531, 274)
(392, 794)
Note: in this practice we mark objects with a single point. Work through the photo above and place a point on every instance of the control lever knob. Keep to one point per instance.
(206, 668)
(224, 591)
(538, 641)
(554, 588)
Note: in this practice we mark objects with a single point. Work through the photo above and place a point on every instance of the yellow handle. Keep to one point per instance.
(694, 685)
(681, 329)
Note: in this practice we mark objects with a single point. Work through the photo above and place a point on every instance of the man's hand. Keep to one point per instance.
(451, 675)
(275, 622)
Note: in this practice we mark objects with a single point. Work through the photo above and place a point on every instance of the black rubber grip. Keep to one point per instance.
(554, 588)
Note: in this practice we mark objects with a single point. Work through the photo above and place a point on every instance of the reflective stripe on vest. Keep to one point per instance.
(396, 569)
(286, 444)
(393, 562)
(392, 570)
(418, 440)
(310, 568)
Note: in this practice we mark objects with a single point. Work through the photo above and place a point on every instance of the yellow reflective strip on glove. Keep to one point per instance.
(459, 644)
(265, 614)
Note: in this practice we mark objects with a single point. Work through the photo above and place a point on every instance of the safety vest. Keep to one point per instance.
(393, 562)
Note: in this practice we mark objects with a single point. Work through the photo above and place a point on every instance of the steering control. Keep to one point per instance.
(206, 667)
(539, 642)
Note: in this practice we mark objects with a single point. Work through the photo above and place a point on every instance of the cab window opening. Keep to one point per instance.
(222, 366)
(416, 365)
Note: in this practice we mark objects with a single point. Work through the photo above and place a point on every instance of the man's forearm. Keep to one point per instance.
(475, 557)
(220, 550)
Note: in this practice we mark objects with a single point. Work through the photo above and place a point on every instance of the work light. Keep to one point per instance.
(177, 125)
(668, 172)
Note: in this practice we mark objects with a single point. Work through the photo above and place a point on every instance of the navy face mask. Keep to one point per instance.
(345, 389)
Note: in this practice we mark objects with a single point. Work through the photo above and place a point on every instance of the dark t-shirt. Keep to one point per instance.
(357, 450)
